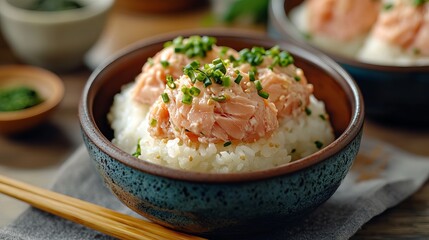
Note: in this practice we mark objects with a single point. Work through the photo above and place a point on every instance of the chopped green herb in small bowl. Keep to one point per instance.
(27, 97)
(18, 98)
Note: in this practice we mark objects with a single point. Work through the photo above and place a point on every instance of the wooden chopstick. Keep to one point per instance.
(88, 214)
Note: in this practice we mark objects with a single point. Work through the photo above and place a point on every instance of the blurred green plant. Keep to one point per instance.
(257, 10)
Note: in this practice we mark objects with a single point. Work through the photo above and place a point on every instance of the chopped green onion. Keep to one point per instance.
(256, 55)
(188, 71)
(195, 64)
(252, 76)
(194, 91)
(258, 59)
(194, 46)
(217, 61)
(323, 117)
(285, 59)
(165, 64)
(138, 151)
(226, 144)
(232, 59)
(274, 50)
(275, 62)
(223, 50)
(189, 52)
(191, 69)
(170, 82)
(187, 99)
(221, 98)
(212, 72)
(258, 85)
(218, 80)
(308, 111)
(179, 49)
(153, 122)
(185, 90)
(218, 73)
(187, 68)
(207, 82)
(297, 78)
(221, 67)
(226, 81)
(177, 40)
(165, 97)
(167, 44)
(150, 61)
(238, 79)
(200, 77)
(208, 40)
(263, 94)
(318, 144)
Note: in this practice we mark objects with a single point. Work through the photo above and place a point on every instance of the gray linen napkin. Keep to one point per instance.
(381, 177)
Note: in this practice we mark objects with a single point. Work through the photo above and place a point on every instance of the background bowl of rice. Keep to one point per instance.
(393, 94)
(223, 203)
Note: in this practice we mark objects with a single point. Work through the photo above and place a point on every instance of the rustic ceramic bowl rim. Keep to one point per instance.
(52, 101)
(55, 17)
(94, 134)
(282, 21)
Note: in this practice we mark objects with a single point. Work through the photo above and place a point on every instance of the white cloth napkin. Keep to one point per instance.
(381, 177)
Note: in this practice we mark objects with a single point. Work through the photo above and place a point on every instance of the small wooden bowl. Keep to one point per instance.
(48, 85)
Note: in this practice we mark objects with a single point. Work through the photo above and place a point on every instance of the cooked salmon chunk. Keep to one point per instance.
(405, 24)
(342, 19)
(219, 112)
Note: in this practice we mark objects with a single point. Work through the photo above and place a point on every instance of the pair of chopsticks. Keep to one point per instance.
(91, 215)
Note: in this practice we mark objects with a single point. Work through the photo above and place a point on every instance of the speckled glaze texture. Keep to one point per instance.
(219, 208)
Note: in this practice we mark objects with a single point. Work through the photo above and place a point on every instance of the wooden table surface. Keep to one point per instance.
(35, 156)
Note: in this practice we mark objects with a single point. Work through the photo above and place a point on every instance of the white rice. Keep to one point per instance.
(294, 139)
(380, 52)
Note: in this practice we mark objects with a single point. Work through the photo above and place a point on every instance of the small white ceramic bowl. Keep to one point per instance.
(57, 40)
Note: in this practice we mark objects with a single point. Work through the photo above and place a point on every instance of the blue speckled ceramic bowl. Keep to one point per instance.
(393, 94)
(223, 203)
